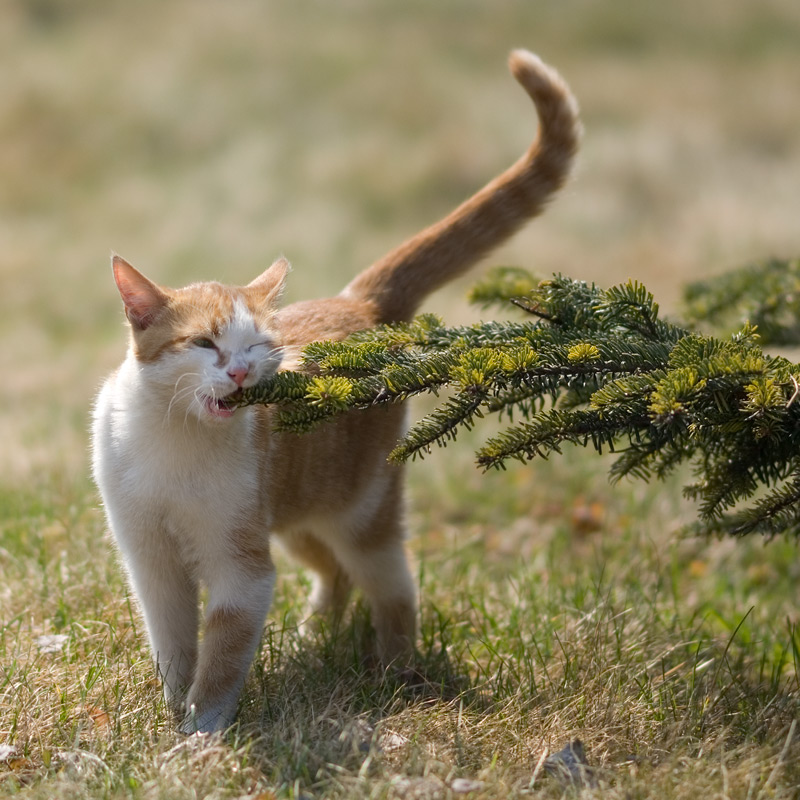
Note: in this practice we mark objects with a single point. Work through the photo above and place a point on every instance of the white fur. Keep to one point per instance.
(174, 481)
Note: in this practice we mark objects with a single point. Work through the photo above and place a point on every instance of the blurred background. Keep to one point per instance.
(200, 140)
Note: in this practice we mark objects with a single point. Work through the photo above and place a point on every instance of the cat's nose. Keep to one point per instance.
(238, 374)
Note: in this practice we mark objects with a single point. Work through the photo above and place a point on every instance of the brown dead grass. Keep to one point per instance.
(202, 140)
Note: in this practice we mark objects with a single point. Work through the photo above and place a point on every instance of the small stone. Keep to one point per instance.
(390, 742)
(570, 766)
(51, 642)
(358, 735)
(430, 788)
(465, 785)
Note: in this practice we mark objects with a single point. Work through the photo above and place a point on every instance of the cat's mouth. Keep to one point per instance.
(221, 407)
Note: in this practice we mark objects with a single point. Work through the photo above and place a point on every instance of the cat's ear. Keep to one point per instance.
(142, 298)
(272, 281)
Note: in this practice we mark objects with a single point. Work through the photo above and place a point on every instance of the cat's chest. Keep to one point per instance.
(191, 479)
(200, 475)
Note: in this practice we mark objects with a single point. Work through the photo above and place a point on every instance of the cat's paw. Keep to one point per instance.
(199, 722)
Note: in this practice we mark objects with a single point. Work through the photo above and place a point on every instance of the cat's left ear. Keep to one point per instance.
(272, 281)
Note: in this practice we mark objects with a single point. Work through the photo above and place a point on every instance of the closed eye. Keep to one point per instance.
(260, 344)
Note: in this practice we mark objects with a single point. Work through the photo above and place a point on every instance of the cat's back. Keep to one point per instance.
(333, 318)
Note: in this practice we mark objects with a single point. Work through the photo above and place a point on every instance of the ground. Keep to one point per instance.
(201, 141)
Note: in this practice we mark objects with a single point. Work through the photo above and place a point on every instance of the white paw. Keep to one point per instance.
(210, 720)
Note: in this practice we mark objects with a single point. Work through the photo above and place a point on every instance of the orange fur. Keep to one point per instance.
(195, 489)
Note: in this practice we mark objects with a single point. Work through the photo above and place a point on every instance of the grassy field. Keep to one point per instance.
(201, 140)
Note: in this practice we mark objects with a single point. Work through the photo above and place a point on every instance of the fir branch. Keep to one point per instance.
(776, 513)
(589, 367)
(440, 426)
(501, 286)
(285, 387)
(765, 296)
(549, 430)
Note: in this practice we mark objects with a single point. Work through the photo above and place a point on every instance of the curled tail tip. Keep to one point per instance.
(557, 107)
(529, 69)
(536, 76)
(521, 61)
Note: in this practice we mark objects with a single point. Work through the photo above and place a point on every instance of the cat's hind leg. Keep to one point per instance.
(374, 556)
(382, 572)
(332, 586)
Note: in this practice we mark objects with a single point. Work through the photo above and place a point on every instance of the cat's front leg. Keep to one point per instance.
(238, 604)
(167, 594)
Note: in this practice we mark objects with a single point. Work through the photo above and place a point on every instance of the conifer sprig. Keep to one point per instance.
(592, 367)
(767, 295)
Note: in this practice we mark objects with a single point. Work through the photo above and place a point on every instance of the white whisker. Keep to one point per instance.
(177, 397)
(179, 394)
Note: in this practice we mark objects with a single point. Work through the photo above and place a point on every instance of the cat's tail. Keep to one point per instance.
(397, 283)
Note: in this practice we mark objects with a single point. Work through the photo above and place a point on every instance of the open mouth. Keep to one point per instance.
(220, 407)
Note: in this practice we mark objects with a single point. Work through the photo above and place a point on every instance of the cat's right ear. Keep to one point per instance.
(271, 282)
(142, 298)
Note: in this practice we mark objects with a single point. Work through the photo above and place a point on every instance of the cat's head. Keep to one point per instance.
(199, 345)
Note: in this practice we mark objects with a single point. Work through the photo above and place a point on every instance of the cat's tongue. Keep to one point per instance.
(219, 408)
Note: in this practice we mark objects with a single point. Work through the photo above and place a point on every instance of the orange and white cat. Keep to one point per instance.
(195, 489)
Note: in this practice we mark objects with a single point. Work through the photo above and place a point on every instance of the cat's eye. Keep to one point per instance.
(205, 342)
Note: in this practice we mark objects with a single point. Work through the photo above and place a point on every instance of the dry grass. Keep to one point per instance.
(201, 140)
(563, 617)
